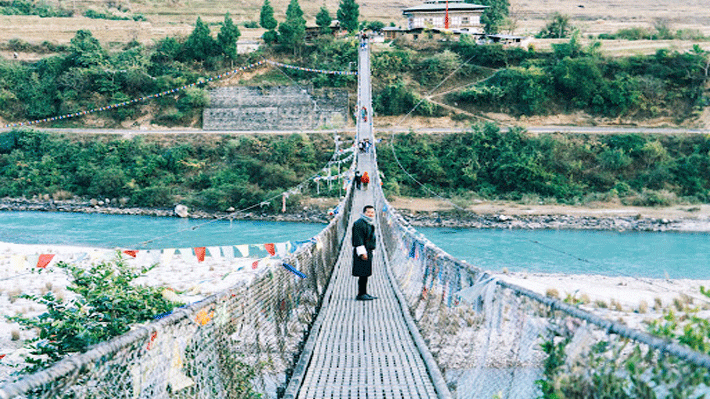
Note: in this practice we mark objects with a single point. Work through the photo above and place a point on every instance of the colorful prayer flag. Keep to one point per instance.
(44, 260)
(200, 253)
(130, 252)
(244, 250)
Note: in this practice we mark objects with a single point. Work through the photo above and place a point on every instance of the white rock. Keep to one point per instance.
(181, 210)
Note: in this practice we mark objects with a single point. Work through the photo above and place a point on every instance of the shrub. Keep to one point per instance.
(106, 305)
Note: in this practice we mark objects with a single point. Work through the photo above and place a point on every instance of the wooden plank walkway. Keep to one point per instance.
(363, 349)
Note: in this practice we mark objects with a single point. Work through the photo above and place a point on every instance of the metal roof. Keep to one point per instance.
(442, 7)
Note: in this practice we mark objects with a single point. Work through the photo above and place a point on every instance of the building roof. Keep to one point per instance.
(432, 6)
(504, 37)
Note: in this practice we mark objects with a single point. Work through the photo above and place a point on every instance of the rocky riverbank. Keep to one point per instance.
(633, 223)
(113, 207)
(451, 219)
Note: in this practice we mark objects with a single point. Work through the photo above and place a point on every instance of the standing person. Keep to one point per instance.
(358, 179)
(365, 179)
(363, 240)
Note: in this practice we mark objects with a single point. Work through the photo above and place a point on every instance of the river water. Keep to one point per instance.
(637, 254)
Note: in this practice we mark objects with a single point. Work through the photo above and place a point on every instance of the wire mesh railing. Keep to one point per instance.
(493, 339)
(239, 343)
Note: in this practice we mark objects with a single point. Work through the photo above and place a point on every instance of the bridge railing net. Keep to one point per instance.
(494, 339)
(235, 344)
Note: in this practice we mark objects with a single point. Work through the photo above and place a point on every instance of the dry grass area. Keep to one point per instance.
(599, 16)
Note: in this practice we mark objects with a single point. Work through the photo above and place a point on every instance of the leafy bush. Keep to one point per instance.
(40, 8)
(93, 14)
(624, 369)
(106, 305)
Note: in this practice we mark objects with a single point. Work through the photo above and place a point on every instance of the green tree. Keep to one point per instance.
(200, 45)
(266, 18)
(293, 31)
(557, 27)
(227, 38)
(494, 16)
(86, 50)
(323, 20)
(348, 14)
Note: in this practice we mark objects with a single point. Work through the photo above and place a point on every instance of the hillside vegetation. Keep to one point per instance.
(487, 163)
(481, 78)
(242, 171)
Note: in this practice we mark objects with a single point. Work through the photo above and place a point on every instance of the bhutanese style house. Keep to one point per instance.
(434, 13)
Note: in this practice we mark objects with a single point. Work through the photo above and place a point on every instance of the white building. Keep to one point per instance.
(432, 14)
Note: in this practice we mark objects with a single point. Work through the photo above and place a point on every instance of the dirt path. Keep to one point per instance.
(594, 210)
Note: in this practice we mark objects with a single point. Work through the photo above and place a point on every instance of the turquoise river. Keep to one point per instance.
(637, 254)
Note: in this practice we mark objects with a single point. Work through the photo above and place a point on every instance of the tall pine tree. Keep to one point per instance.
(292, 32)
(266, 18)
(323, 20)
(494, 16)
(227, 38)
(268, 22)
(200, 45)
(348, 14)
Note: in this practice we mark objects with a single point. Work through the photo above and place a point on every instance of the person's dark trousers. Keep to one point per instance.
(362, 286)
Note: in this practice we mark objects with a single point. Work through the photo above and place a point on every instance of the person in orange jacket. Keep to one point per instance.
(365, 180)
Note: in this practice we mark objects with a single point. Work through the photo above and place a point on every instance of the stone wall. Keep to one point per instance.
(275, 108)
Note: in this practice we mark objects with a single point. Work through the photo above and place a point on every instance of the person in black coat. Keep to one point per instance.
(363, 240)
(357, 179)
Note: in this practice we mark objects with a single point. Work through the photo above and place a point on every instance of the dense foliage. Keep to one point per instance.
(210, 174)
(25, 7)
(106, 304)
(669, 83)
(89, 76)
(637, 169)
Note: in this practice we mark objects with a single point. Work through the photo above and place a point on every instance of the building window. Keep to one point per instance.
(464, 21)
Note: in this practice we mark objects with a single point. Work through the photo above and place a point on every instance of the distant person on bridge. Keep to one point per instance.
(365, 179)
(357, 179)
(363, 240)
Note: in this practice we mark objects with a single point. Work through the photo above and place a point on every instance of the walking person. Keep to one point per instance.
(365, 179)
(358, 179)
(363, 240)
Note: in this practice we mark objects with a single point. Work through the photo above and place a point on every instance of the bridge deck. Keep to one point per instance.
(365, 349)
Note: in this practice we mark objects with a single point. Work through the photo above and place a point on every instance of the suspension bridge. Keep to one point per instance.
(440, 328)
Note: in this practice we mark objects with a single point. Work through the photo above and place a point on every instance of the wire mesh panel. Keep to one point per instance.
(495, 339)
(236, 344)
